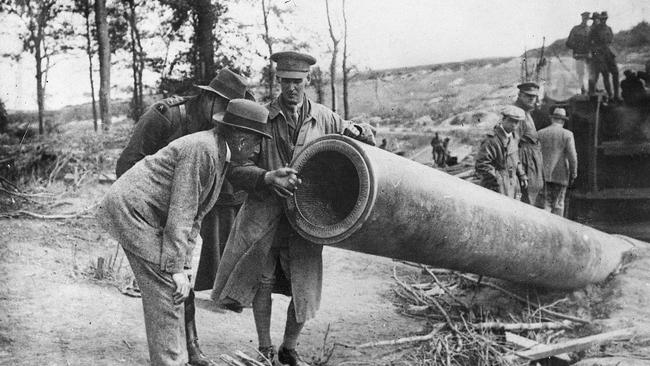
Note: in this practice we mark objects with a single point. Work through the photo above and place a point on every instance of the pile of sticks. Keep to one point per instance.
(467, 332)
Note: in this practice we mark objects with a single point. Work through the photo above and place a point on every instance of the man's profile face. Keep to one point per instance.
(243, 145)
(292, 90)
(527, 100)
(509, 124)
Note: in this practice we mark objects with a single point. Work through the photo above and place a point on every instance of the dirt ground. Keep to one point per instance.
(55, 313)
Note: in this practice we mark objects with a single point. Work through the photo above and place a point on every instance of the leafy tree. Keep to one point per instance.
(46, 34)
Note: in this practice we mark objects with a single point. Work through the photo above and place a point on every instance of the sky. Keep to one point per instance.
(382, 34)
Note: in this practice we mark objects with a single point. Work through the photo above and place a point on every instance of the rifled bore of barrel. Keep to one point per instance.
(366, 199)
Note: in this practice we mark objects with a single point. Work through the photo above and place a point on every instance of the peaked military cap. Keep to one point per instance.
(247, 115)
(292, 65)
(229, 85)
(529, 88)
(513, 112)
(595, 15)
(585, 14)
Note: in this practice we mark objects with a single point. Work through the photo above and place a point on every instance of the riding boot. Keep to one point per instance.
(617, 93)
(608, 85)
(196, 357)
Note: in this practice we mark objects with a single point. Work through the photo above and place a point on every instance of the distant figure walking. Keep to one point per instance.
(497, 162)
(560, 161)
(603, 59)
(578, 41)
(438, 151)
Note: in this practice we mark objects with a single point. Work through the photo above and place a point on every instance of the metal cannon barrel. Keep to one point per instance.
(365, 199)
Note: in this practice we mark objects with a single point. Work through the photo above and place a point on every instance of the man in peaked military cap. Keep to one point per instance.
(530, 153)
(497, 161)
(155, 210)
(578, 41)
(270, 256)
(603, 59)
(163, 123)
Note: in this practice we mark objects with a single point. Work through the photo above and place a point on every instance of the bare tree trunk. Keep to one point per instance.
(104, 64)
(205, 22)
(137, 65)
(269, 44)
(346, 71)
(335, 51)
(89, 51)
(40, 92)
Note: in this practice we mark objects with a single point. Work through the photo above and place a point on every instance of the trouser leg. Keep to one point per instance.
(560, 195)
(606, 82)
(580, 70)
(262, 307)
(163, 319)
(615, 81)
(292, 328)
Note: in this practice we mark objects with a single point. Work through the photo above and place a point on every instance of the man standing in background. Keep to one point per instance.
(560, 161)
(530, 152)
(603, 59)
(497, 161)
(578, 41)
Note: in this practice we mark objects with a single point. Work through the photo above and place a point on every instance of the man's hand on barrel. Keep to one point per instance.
(283, 181)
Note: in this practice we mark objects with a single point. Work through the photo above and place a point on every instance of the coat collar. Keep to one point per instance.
(275, 108)
(500, 133)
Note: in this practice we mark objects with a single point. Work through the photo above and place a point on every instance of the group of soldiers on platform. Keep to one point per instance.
(591, 45)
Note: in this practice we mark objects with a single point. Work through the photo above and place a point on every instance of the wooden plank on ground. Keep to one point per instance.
(530, 345)
(575, 345)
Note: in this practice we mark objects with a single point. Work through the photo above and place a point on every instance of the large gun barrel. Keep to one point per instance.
(365, 199)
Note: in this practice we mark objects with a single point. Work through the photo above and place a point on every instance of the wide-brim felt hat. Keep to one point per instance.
(229, 85)
(529, 88)
(246, 115)
(292, 65)
(595, 15)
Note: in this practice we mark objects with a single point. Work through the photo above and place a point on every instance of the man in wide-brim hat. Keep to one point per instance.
(269, 256)
(161, 124)
(560, 161)
(155, 212)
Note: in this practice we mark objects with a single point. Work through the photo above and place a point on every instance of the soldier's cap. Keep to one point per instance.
(513, 112)
(529, 88)
(603, 15)
(247, 115)
(585, 14)
(559, 113)
(292, 65)
(595, 15)
(228, 84)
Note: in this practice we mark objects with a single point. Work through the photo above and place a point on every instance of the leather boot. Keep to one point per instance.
(196, 357)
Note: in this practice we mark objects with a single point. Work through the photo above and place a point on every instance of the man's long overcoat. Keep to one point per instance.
(256, 224)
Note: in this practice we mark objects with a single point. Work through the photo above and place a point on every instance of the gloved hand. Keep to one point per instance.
(361, 132)
(283, 181)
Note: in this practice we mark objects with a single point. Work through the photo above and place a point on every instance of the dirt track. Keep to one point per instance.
(53, 314)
